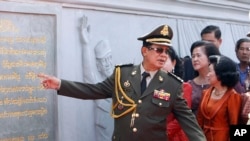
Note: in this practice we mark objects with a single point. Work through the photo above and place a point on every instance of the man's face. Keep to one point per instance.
(211, 38)
(155, 57)
(243, 53)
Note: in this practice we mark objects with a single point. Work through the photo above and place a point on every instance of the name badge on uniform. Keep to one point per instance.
(161, 95)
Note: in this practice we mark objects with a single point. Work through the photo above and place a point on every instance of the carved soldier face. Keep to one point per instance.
(104, 65)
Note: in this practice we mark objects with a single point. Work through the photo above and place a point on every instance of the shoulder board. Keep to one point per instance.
(175, 76)
(123, 65)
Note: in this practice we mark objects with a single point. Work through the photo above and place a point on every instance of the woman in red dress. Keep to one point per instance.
(174, 65)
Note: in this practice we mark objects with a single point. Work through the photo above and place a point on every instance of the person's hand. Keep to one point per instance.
(49, 82)
(84, 24)
(85, 29)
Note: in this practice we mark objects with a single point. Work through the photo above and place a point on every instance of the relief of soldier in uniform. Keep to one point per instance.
(96, 71)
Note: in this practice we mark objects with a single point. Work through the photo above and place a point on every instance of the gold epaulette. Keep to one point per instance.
(123, 65)
(175, 76)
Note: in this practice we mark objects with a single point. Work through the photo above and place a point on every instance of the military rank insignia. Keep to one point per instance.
(161, 95)
(126, 84)
(165, 31)
(160, 79)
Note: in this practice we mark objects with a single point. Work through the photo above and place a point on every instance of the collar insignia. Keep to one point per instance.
(134, 72)
(126, 84)
(160, 78)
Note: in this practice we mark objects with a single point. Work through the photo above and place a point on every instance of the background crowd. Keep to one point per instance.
(220, 94)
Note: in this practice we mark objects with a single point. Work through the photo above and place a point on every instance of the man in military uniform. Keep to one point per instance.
(139, 115)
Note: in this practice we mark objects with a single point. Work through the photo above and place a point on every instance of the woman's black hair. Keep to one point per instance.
(178, 69)
(225, 70)
(239, 42)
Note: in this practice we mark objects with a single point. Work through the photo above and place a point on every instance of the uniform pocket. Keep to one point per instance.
(160, 102)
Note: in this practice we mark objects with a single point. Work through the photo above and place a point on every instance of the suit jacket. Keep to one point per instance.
(215, 121)
(151, 111)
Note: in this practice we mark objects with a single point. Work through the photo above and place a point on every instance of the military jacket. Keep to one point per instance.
(147, 120)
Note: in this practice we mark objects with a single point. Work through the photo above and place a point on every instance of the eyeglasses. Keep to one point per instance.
(159, 50)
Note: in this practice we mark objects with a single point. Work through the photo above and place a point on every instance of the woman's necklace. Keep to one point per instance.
(202, 85)
(202, 82)
(219, 93)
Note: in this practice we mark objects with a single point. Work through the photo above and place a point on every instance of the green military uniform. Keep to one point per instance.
(149, 110)
(141, 117)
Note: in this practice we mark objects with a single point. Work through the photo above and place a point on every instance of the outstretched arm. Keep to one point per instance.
(85, 30)
(88, 62)
(50, 82)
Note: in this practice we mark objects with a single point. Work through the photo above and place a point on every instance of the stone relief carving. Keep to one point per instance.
(95, 71)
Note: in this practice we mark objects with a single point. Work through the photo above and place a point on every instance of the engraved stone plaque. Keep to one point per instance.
(27, 47)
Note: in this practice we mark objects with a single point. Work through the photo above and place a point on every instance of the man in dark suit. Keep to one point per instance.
(139, 116)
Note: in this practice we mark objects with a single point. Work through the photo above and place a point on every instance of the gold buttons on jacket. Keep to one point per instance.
(134, 129)
(139, 101)
(135, 115)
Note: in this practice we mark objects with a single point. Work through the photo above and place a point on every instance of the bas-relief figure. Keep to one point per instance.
(95, 71)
